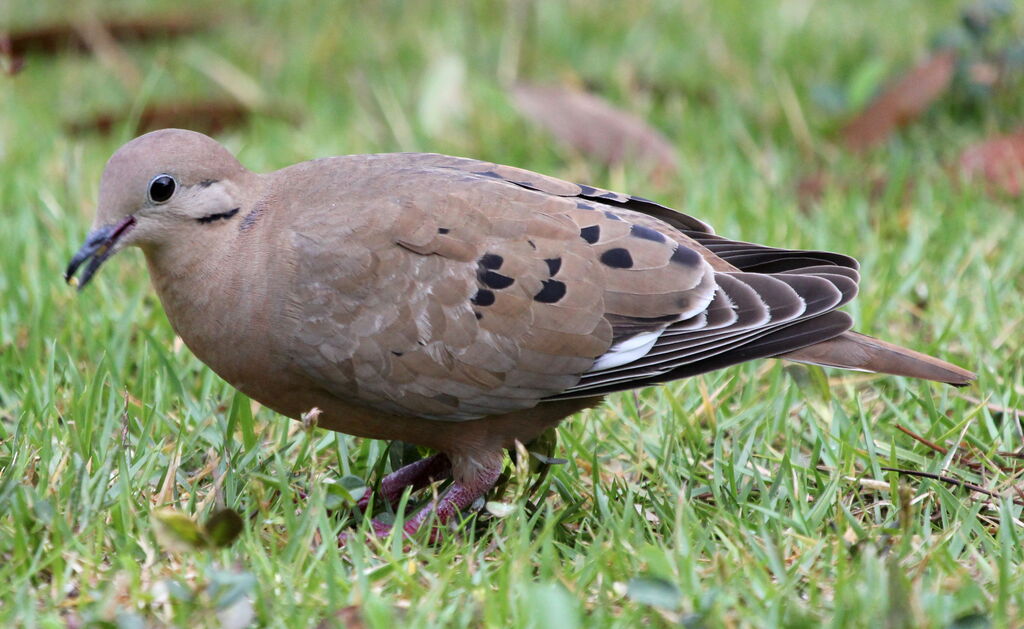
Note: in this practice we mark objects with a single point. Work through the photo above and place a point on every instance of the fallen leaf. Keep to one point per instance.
(66, 35)
(998, 161)
(901, 103)
(10, 63)
(210, 117)
(590, 125)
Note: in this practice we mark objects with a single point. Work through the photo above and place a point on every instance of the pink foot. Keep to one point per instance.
(415, 475)
(459, 497)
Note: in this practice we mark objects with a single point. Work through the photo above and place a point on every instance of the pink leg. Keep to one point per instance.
(415, 475)
(459, 496)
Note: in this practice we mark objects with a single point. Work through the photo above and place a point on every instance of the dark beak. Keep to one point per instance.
(99, 245)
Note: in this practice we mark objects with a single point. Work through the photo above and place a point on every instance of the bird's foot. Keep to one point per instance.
(460, 496)
(415, 476)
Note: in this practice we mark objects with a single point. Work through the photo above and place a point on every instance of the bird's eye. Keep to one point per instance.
(161, 188)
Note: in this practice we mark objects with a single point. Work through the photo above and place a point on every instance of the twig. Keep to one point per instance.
(920, 439)
(945, 479)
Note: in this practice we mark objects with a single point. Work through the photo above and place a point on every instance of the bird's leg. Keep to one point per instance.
(473, 479)
(416, 475)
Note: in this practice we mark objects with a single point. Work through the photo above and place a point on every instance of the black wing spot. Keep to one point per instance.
(583, 205)
(532, 244)
(491, 261)
(613, 216)
(646, 233)
(587, 190)
(554, 264)
(495, 280)
(483, 297)
(617, 258)
(552, 291)
(685, 256)
(490, 173)
(591, 234)
(443, 230)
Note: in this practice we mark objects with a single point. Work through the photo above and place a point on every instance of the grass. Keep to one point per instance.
(756, 496)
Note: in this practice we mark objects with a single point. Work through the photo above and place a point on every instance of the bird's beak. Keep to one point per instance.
(99, 245)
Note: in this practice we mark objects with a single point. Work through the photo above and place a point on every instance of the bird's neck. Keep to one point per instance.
(213, 289)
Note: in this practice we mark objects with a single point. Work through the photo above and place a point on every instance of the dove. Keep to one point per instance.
(456, 304)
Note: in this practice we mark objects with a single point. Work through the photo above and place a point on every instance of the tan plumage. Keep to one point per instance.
(453, 303)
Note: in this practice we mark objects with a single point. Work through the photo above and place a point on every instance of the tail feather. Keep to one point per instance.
(852, 350)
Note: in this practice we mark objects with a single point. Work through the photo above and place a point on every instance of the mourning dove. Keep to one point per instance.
(452, 303)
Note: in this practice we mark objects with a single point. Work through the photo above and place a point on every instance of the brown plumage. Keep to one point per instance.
(456, 304)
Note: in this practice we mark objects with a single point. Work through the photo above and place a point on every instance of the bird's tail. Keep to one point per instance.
(852, 350)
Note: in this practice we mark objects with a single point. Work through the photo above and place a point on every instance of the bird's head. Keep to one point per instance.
(154, 189)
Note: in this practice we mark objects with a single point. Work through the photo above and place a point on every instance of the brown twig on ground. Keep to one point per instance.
(944, 479)
(920, 439)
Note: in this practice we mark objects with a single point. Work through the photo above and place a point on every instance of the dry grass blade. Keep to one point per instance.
(903, 102)
(998, 161)
(593, 127)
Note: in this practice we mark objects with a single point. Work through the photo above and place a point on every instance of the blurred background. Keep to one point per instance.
(786, 88)
(889, 130)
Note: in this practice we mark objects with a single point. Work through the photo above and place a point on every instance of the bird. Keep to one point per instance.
(459, 305)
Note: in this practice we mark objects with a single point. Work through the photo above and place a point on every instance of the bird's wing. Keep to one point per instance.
(455, 289)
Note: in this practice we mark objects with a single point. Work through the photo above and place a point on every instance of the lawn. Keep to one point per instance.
(761, 495)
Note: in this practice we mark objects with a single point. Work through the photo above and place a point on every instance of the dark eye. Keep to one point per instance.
(161, 188)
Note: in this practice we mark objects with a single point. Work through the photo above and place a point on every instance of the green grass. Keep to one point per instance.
(756, 496)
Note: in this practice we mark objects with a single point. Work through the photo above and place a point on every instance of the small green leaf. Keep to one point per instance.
(654, 591)
(223, 528)
(499, 509)
(176, 531)
(346, 490)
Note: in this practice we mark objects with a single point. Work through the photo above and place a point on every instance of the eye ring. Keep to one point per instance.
(161, 188)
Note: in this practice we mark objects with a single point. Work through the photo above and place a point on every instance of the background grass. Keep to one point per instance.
(755, 496)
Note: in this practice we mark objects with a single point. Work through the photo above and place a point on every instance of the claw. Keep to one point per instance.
(415, 475)
(459, 497)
